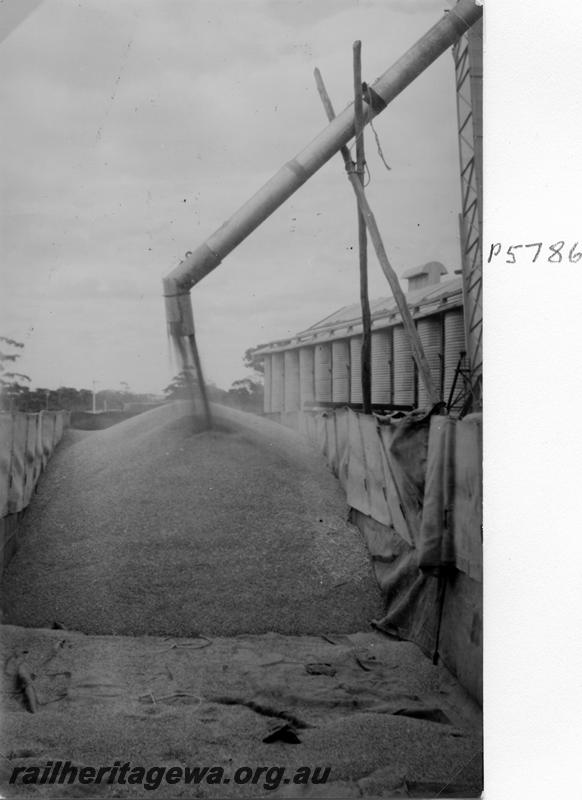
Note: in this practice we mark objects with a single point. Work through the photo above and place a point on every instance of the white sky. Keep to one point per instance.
(132, 130)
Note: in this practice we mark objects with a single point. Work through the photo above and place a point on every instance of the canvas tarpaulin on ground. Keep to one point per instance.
(98, 695)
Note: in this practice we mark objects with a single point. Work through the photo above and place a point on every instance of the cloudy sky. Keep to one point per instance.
(132, 130)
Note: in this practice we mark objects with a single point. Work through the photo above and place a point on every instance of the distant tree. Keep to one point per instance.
(85, 399)
(18, 397)
(11, 388)
(37, 400)
(72, 399)
(252, 361)
(179, 387)
(112, 399)
(215, 394)
(247, 394)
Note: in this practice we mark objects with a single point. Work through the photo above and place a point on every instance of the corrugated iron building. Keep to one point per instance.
(322, 364)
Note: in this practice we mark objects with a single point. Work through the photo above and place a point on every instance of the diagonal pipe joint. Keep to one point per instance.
(177, 285)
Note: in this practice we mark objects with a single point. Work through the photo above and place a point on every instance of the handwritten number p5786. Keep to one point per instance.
(555, 253)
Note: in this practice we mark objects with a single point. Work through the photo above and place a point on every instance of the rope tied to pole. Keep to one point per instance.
(379, 147)
(352, 169)
(369, 99)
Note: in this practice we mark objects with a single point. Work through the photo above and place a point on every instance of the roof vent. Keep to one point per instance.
(427, 274)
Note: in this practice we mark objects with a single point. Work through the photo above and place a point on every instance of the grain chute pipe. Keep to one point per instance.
(297, 171)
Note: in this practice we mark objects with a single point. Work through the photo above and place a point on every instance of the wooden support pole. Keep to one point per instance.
(365, 303)
(362, 235)
(391, 277)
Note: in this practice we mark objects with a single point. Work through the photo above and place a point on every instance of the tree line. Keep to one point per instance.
(245, 394)
(16, 394)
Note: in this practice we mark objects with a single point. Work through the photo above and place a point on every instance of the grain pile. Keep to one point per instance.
(152, 528)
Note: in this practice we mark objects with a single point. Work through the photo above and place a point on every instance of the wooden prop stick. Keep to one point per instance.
(329, 110)
(391, 277)
(362, 235)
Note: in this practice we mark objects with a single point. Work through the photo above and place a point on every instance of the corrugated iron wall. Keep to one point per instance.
(454, 328)
(267, 381)
(277, 382)
(340, 371)
(381, 361)
(404, 377)
(323, 372)
(430, 332)
(332, 371)
(291, 376)
(306, 375)
(356, 395)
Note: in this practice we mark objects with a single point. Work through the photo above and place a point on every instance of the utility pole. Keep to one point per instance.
(94, 398)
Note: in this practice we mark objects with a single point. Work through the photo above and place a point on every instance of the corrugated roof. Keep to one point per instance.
(347, 321)
(387, 305)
